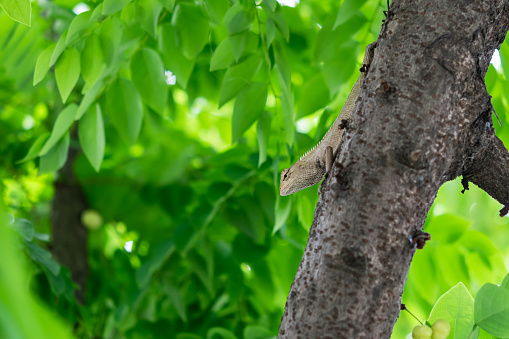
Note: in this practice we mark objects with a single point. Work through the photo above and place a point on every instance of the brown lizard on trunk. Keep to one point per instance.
(312, 166)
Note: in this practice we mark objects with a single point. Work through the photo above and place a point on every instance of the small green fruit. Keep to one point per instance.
(422, 332)
(441, 329)
(91, 219)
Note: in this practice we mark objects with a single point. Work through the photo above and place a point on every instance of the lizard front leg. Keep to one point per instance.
(329, 161)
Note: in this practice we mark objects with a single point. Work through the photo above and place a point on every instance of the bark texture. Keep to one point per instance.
(423, 118)
(69, 236)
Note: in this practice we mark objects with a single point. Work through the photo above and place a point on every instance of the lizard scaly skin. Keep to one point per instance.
(312, 166)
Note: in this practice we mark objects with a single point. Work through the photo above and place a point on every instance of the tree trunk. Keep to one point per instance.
(69, 236)
(423, 118)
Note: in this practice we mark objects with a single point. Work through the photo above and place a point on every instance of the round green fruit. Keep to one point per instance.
(422, 332)
(441, 327)
(91, 219)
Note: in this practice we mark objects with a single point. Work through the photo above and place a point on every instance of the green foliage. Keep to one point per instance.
(486, 316)
(21, 315)
(491, 309)
(456, 306)
(185, 113)
(18, 10)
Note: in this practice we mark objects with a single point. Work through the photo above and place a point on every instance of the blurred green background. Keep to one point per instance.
(186, 235)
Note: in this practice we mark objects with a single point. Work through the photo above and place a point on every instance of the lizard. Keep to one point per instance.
(317, 162)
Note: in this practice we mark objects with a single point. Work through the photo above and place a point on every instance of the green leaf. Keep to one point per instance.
(43, 257)
(271, 4)
(97, 13)
(78, 24)
(17, 10)
(263, 134)
(287, 106)
(214, 332)
(241, 21)
(88, 99)
(315, 95)
(248, 107)
(329, 40)
(505, 282)
(254, 213)
(479, 242)
(199, 266)
(176, 298)
(491, 310)
(217, 9)
(91, 135)
(111, 35)
(490, 78)
(113, 6)
(59, 48)
(222, 56)
(147, 12)
(128, 14)
(25, 228)
(125, 109)
(447, 228)
(284, 73)
(42, 65)
(270, 31)
(92, 61)
(337, 70)
(67, 72)
(173, 58)
(147, 72)
(61, 127)
(56, 157)
(267, 198)
(237, 77)
(243, 43)
(191, 38)
(279, 19)
(231, 13)
(162, 252)
(347, 11)
(283, 208)
(240, 220)
(36, 147)
(455, 306)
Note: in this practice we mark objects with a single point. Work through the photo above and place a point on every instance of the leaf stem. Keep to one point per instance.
(404, 308)
(473, 331)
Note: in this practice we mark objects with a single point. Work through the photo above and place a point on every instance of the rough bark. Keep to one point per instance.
(423, 118)
(69, 236)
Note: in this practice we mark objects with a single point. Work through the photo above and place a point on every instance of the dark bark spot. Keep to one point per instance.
(354, 259)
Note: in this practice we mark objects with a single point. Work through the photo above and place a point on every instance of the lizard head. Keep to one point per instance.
(301, 175)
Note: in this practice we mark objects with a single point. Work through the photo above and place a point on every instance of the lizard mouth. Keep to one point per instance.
(284, 189)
